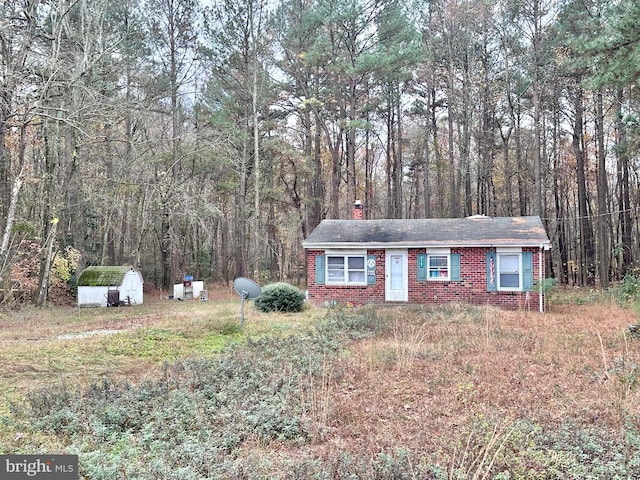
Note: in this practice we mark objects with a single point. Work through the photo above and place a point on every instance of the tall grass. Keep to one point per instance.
(408, 342)
(360, 393)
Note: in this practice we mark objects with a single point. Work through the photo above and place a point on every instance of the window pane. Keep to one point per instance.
(335, 269)
(346, 269)
(443, 273)
(356, 277)
(439, 266)
(509, 263)
(509, 280)
(509, 274)
(438, 261)
(335, 262)
(336, 276)
(356, 263)
(397, 272)
(356, 269)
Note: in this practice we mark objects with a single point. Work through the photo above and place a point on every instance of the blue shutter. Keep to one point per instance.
(421, 265)
(455, 267)
(527, 271)
(492, 272)
(371, 272)
(320, 269)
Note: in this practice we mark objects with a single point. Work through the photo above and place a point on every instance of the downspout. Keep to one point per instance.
(540, 281)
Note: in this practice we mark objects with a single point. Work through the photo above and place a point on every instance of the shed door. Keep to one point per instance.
(113, 298)
(396, 278)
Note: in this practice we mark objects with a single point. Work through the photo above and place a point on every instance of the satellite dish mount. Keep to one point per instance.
(248, 290)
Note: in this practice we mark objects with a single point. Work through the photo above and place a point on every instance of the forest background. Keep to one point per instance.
(210, 138)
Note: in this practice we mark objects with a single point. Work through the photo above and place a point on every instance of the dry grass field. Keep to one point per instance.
(431, 376)
(448, 392)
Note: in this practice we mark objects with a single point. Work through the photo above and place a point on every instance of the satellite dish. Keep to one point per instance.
(248, 290)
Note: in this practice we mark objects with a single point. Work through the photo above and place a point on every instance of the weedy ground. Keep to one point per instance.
(180, 390)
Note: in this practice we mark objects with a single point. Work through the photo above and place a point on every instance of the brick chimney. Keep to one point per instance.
(357, 212)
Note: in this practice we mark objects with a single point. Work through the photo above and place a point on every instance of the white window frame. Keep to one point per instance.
(508, 252)
(438, 252)
(346, 255)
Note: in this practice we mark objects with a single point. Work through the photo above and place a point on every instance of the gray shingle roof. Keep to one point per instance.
(444, 232)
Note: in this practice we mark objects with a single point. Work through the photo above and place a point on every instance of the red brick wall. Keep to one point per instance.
(321, 294)
(472, 288)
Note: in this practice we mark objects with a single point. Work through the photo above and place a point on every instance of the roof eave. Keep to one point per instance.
(376, 245)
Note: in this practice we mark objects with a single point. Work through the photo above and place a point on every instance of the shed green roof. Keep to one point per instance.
(98, 276)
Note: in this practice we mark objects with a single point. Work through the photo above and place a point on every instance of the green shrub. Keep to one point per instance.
(628, 290)
(280, 297)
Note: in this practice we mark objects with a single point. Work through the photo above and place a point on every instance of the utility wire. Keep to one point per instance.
(567, 219)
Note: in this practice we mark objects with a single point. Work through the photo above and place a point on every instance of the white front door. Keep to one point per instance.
(396, 278)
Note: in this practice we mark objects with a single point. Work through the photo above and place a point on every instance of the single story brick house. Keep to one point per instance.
(478, 260)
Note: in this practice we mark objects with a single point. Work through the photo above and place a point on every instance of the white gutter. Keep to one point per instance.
(377, 246)
(540, 281)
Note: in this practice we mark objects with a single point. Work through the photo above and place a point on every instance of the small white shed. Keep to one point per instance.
(105, 286)
(178, 290)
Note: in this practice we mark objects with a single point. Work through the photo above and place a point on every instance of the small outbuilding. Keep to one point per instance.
(110, 286)
(478, 259)
(181, 291)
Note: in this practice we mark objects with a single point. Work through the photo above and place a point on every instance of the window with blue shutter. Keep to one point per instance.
(438, 265)
(343, 268)
(527, 271)
(509, 270)
(421, 260)
(492, 272)
(371, 269)
(320, 270)
(455, 267)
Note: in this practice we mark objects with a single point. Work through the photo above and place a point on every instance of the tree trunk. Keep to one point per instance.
(47, 260)
(560, 197)
(258, 234)
(623, 190)
(307, 224)
(520, 164)
(585, 249)
(398, 176)
(465, 139)
(603, 194)
(351, 143)
(389, 166)
(453, 194)
(5, 264)
(318, 179)
(427, 157)
(240, 213)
